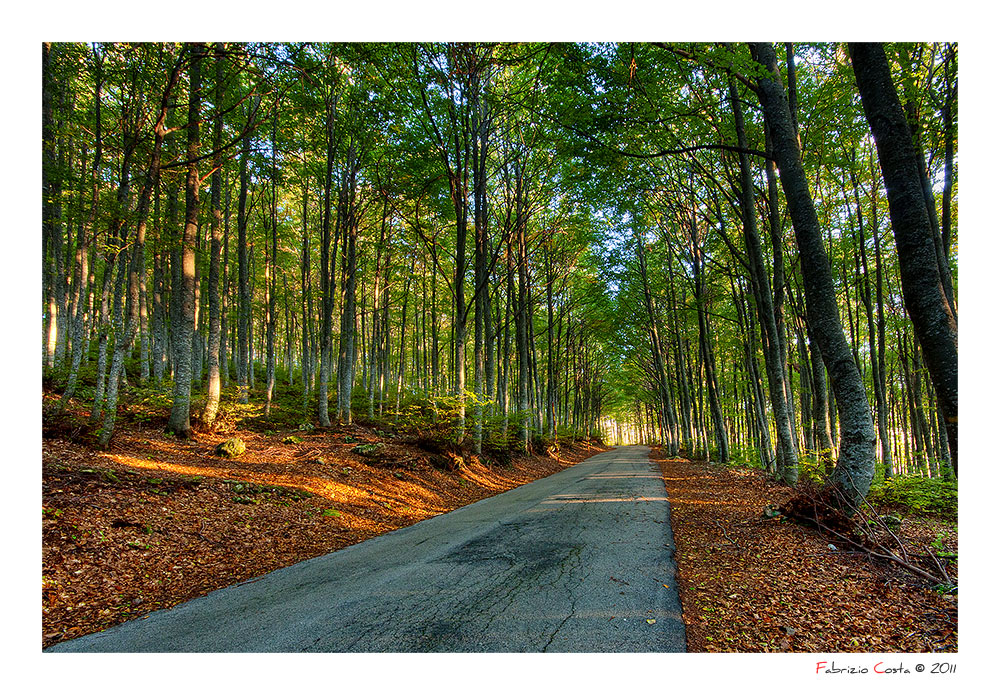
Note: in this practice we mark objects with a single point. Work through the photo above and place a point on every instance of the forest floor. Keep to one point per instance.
(749, 583)
(155, 521)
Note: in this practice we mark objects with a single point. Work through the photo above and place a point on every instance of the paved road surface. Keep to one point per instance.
(575, 562)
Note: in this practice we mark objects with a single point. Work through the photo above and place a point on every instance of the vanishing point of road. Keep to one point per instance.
(580, 561)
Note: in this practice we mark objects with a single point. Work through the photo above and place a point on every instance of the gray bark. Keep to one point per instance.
(215, 252)
(180, 413)
(922, 277)
(856, 465)
(773, 348)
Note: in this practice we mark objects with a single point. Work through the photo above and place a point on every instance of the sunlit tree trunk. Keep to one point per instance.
(180, 413)
(271, 271)
(215, 253)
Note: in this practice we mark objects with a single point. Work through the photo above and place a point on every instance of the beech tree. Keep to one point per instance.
(923, 278)
(685, 244)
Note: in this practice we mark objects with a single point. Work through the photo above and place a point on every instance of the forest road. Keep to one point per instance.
(575, 562)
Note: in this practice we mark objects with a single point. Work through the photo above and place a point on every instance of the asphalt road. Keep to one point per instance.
(575, 562)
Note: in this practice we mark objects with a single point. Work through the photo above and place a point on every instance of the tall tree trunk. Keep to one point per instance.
(521, 318)
(307, 348)
(348, 316)
(80, 343)
(124, 338)
(480, 136)
(115, 245)
(243, 325)
(773, 347)
(271, 274)
(327, 267)
(180, 414)
(878, 378)
(922, 277)
(856, 465)
(705, 339)
(215, 253)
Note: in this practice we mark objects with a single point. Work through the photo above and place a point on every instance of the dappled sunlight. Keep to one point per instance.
(403, 496)
(317, 486)
(483, 477)
(579, 499)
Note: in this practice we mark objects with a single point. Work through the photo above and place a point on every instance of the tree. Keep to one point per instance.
(856, 464)
(180, 413)
(921, 274)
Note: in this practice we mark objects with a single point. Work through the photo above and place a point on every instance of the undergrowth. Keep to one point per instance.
(918, 495)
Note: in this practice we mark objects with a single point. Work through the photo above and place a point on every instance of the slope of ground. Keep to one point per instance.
(749, 583)
(155, 521)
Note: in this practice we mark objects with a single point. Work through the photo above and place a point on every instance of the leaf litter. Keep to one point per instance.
(750, 582)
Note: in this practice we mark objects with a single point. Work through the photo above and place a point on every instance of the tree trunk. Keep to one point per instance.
(856, 465)
(80, 343)
(124, 338)
(180, 413)
(243, 325)
(271, 271)
(773, 347)
(215, 253)
(923, 285)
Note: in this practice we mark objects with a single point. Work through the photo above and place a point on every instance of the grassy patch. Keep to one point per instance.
(918, 495)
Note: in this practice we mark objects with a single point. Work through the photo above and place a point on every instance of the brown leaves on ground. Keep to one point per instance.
(156, 521)
(750, 583)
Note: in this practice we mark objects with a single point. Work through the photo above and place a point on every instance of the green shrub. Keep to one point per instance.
(744, 457)
(812, 468)
(919, 495)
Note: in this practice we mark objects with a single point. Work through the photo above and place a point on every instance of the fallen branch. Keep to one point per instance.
(887, 554)
(726, 535)
(940, 567)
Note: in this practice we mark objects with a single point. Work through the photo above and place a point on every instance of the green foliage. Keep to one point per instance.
(744, 457)
(919, 495)
(252, 493)
(149, 404)
(617, 143)
(812, 467)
